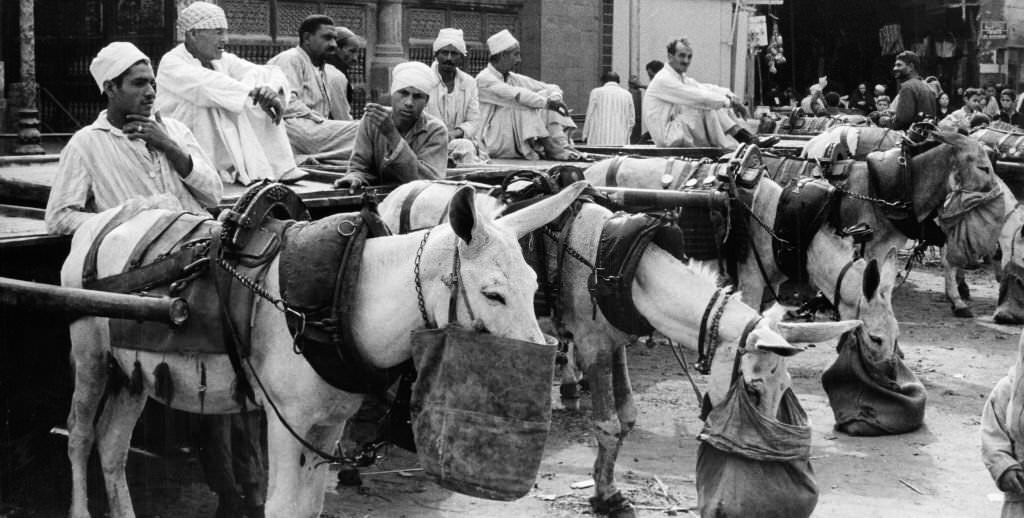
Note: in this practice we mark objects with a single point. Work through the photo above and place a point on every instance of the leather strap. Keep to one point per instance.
(89, 268)
(742, 344)
(404, 223)
(613, 171)
(154, 233)
(839, 284)
(161, 272)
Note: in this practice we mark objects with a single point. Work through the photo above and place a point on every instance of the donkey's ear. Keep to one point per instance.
(811, 332)
(462, 215)
(871, 279)
(527, 220)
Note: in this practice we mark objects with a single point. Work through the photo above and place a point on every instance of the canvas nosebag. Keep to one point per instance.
(752, 466)
(481, 407)
(872, 397)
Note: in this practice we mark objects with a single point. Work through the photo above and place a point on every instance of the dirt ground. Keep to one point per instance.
(933, 472)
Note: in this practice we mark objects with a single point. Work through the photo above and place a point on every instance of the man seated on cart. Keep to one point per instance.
(129, 151)
(400, 143)
(679, 111)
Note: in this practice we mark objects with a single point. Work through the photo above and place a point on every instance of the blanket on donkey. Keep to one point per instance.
(752, 466)
(872, 398)
(203, 332)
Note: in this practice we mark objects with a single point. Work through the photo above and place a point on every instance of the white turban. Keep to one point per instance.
(451, 37)
(501, 42)
(113, 60)
(414, 74)
(202, 15)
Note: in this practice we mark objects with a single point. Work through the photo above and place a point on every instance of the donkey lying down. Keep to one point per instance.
(672, 297)
(499, 286)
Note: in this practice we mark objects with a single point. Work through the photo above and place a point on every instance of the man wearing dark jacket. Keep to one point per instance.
(916, 100)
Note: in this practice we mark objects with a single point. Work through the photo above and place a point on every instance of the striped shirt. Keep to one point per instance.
(610, 116)
(101, 168)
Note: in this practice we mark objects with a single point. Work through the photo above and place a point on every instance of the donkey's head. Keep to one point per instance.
(764, 351)
(968, 162)
(496, 284)
(860, 289)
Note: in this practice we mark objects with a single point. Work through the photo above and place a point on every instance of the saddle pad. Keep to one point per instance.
(786, 169)
(803, 206)
(318, 272)
(1008, 145)
(203, 332)
(624, 238)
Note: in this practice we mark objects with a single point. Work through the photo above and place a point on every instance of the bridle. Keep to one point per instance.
(453, 282)
(708, 337)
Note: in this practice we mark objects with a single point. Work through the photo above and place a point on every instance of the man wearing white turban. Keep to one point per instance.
(318, 120)
(128, 151)
(519, 114)
(454, 99)
(680, 111)
(400, 143)
(233, 106)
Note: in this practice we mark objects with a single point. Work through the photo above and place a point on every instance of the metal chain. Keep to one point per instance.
(258, 289)
(891, 204)
(416, 276)
(761, 222)
(571, 251)
(716, 320)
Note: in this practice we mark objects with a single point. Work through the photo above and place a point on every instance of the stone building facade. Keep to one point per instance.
(567, 42)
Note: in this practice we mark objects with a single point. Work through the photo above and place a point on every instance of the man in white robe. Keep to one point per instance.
(610, 113)
(520, 114)
(679, 111)
(234, 107)
(455, 99)
(317, 118)
(129, 151)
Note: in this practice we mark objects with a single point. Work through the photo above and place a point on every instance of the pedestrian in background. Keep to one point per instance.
(610, 113)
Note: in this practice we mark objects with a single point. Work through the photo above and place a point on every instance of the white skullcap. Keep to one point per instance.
(202, 15)
(414, 74)
(501, 42)
(451, 37)
(114, 59)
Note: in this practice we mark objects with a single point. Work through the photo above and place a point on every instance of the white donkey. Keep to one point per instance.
(672, 296)
(498, 283)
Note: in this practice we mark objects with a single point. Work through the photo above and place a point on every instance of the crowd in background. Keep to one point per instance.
(965, 108)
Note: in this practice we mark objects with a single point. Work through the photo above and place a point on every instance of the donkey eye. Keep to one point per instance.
(497, 298)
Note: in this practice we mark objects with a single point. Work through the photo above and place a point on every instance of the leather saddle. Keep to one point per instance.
(624, 238)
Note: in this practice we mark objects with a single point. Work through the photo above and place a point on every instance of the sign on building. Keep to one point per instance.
(993, 30)
(757, 31)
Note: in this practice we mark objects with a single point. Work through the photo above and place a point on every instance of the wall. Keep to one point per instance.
(571, 48)
(706, 23)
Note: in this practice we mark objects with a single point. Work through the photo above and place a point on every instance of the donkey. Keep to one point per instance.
(832, 267)
(962, 163)
(672, 296)
(498, 286)
(858, 141)
(758, 271)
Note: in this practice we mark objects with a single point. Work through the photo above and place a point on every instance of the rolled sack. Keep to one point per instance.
(1010, 306)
